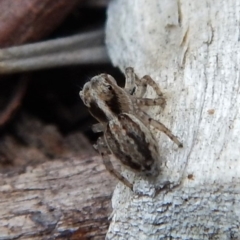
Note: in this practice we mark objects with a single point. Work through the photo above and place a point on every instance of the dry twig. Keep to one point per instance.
(84, 48)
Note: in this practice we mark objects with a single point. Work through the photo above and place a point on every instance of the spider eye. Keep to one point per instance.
(109, 87)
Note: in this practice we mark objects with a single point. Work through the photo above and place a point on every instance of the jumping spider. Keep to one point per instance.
(125, 125)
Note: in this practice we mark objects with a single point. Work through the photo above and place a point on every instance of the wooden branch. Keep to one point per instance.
(31, 20)
(191, 49)
(84, 48)
(72, 43)
(63, 199)
(94, 55)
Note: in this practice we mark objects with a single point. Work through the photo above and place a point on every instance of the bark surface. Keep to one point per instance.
(63, 199)
(191, 48)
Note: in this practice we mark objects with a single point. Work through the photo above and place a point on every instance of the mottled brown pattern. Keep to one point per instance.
(97, 112)
(135, 133)
(115, 146)
(126, 129)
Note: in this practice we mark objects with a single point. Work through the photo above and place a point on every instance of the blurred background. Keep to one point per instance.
(41, 115)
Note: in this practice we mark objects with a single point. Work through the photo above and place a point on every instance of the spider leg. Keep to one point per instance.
(132, 81)
(140, 90)
(147, 80)
(102, 148)
(131, 78)
(158, 125)
(150, 102)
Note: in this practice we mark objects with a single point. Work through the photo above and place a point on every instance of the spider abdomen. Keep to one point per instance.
(132, 143)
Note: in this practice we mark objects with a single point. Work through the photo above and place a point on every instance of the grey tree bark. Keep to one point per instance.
(191, 48)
